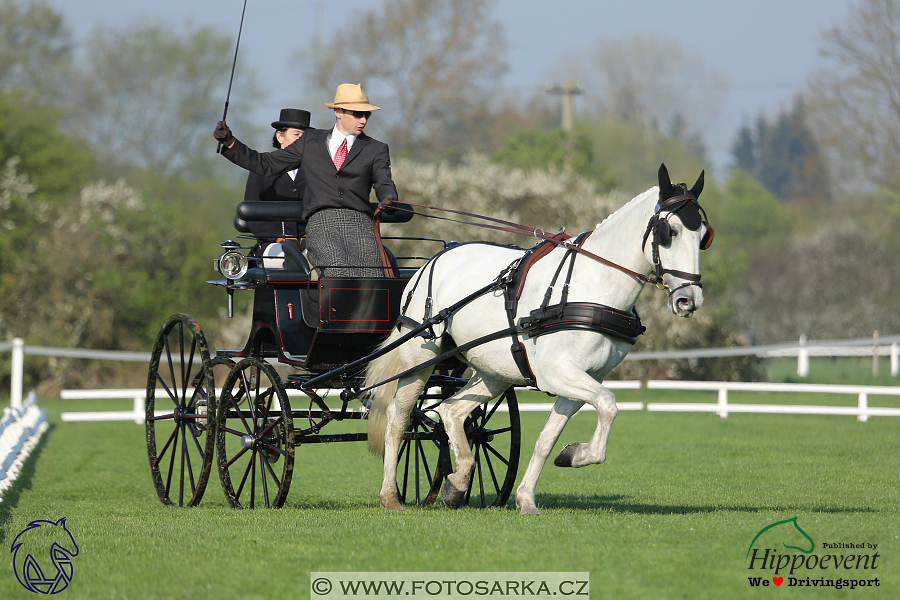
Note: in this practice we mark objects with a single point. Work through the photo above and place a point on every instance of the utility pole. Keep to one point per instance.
(567, 90)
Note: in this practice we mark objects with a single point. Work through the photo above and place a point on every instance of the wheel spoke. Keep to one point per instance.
(246, 473)
(172, 462)
(161, 454)
(262, 478)
(490, 466)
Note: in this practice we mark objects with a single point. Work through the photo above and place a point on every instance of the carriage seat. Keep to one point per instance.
(296, 266)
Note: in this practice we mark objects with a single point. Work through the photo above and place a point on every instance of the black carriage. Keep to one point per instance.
(313, 326)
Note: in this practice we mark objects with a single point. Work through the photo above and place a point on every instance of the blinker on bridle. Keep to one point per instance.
(662, 235)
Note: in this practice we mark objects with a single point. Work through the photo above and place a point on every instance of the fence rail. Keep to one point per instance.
(722, 407)
(138, 413)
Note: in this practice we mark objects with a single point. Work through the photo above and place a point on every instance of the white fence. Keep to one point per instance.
(862, 411)
(722, 407)
(875, 347)
(20, 429)
(138, 396)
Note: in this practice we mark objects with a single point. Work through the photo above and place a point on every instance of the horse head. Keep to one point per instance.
(677, 231)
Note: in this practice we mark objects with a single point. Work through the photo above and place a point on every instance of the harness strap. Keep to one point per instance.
(517, 349)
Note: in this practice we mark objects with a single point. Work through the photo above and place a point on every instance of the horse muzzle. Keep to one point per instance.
(685, 300)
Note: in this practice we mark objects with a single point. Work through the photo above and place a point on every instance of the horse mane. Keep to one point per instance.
(637, 199)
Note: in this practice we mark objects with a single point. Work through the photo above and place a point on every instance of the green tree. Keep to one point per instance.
(535, 149)
(652, 83)
(149, 94)
(54, 161)
(784, 156)
(854, 99)
(429, 63)
(35, 49)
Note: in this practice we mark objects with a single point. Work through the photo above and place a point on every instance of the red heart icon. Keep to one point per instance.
(778, 580)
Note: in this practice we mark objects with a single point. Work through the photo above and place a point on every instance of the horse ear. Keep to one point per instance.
(698, 187)
(665, 184)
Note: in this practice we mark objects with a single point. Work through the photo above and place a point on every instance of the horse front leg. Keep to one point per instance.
(575, 388)
(454, 411)
(408, 391)
(594, 451)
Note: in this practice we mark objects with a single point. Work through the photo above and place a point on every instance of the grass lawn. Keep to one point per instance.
(671, 514)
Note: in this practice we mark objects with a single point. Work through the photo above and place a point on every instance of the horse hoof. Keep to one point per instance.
(566, 456)
(529, 510)
(451, 497)
(392, 504)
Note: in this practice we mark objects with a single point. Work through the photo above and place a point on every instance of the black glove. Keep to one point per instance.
(223, 134)
(388, 204)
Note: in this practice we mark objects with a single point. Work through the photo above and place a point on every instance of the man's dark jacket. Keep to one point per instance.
(368, 165)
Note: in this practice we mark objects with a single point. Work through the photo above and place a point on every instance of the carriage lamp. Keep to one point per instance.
(232, 264)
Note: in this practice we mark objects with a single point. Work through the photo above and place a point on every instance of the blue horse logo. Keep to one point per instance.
(36, 540)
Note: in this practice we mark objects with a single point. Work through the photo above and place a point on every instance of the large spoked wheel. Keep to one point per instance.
(254, 437)
(495, 438)
(422, 453)
(181, 407)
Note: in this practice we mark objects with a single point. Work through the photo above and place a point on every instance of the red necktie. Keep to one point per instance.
(340, 155)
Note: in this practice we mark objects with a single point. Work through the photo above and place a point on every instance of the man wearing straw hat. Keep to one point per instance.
(341, 166)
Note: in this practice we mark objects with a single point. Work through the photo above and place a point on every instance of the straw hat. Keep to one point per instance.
(350, 96)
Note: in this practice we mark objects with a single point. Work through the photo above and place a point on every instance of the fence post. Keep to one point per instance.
(18, 368)
(895, 359)
(139, 409)
(803, 358)
(863, 404)
(875, 354)
(723, 403)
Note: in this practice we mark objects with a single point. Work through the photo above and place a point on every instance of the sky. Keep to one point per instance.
(766, 49)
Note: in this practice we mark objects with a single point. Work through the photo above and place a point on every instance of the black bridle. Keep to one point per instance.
(662, 235)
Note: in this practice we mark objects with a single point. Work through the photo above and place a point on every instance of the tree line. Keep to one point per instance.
(109, 221)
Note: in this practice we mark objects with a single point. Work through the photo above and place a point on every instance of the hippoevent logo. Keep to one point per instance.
(837, 564)
(42, 556)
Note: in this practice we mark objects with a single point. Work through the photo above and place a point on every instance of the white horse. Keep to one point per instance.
(570, 364)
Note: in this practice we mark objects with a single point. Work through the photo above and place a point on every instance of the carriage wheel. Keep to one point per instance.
(180, 422)
(495, 438)
(424, 457)
(254, 437)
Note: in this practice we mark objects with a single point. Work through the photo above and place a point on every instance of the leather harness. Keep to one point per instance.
(563, 316)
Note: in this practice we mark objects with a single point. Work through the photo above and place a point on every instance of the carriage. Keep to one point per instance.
(570, 322)
(296, 381)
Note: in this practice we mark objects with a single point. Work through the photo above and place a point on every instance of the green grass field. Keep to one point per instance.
(671, 514)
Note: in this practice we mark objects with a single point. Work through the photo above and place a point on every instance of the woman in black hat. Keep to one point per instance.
(283, 186)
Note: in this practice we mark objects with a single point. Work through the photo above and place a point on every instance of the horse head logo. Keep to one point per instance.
(787, 531)
(36, 541)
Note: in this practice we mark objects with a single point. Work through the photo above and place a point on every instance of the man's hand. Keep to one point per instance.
(388, 204)
(223, 134)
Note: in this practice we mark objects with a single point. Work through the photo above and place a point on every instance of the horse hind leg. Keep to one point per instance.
(563, 409)
(454, 411)
(409, 389)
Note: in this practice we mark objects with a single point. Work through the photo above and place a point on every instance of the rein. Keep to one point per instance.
(655, 279)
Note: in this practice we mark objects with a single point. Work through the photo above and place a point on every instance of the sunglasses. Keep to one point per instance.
(359, 114)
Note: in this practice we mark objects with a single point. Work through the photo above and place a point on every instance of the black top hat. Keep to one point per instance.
(292, 117)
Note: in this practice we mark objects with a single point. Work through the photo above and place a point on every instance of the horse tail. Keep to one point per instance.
(383, 367)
